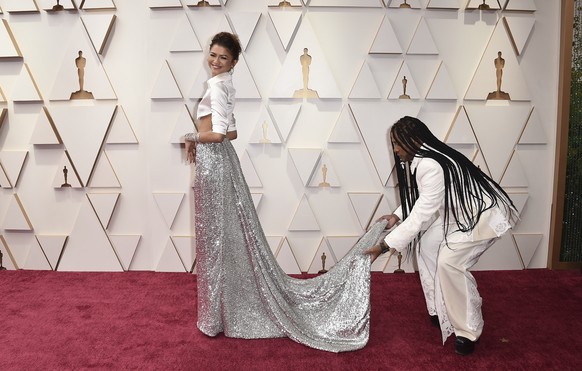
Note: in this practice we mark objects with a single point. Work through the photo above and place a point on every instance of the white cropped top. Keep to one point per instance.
(218, 101)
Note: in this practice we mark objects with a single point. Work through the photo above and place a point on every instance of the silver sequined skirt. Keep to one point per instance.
(244, 293)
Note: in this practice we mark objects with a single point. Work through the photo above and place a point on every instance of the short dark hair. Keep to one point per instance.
(229, 41)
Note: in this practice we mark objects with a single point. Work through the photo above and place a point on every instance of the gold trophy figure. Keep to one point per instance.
(284, 4)
(65, 172)
(305, 60)
(324, 183)
(58, 7)
(265, 139)
(404, 95)
(484, 6)
(323, 270)
(499, 94)
(81, 62)
(404, 5)
(399, 269)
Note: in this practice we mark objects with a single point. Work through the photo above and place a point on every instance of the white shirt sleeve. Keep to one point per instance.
(219, 107)
(431, 187)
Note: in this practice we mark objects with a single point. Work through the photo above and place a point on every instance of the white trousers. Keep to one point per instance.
(458, 288)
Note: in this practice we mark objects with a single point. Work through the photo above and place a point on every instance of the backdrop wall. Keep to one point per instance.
(320, 168)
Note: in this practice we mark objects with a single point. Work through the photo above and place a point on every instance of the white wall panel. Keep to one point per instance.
(146, 63)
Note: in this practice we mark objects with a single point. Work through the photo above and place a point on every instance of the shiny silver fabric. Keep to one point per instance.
(244, 293)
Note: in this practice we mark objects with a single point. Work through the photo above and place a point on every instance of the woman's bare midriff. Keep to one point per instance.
(205, 124)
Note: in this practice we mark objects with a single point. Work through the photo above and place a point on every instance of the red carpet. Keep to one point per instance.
(146, 321)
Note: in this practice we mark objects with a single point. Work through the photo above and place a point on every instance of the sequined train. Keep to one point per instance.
(243, 292)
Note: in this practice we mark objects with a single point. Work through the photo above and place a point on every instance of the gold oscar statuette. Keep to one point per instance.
(324, 183)
(305, 60)
(265, 139)
(399, 269)
(58, 7)
(484, 6)
(65, 172)
(499, 94)
(284, 4)
(323, 270)
(404, 95)
(81, 62)
(404, 5)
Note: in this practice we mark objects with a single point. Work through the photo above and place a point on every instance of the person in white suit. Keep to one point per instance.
(462, 212)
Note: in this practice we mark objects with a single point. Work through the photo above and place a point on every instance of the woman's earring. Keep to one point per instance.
(231, 71)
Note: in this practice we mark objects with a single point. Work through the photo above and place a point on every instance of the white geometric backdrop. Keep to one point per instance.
(129, 204)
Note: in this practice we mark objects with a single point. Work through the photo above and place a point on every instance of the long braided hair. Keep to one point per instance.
(468, 191)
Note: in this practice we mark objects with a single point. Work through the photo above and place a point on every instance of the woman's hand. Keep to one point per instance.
(190, 152)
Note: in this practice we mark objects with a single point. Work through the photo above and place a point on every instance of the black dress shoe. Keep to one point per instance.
(434, 319)
(464, 346)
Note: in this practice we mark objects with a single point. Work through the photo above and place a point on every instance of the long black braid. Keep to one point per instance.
(468, 191)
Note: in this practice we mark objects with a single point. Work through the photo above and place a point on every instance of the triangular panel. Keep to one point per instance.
(169, 203)
(170, 260)
(265, 131)
(186, 248)
(16, 218)
(365, 85)
(185, 39)
(244, 25)
(52, 246)
(533, 132)
(374, 120)
(286, 259)
(527, 245)
(251, 175)
(305, 160)
(185, 124)
(104, 205)
(422, 41)
(286, 23)
(461, 131)
(83, 130)
(341, 245)
(519, 30)
(246, 87)
(36, 259)
(521, 5)
(88, 247)
(8, 45)
(514, 175)
(488, 122)
(125, 247)
(44, 130)
(98, 28)
(25, 89)
(121, 131)
(324, 175)
(304, 218)
(365, 205)
(442, 86)
(285, 116)
(12, 162)
(386, 41)
(166, 86)
(404, 86)
(345, 130)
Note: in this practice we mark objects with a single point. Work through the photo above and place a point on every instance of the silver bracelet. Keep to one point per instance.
(192, 137)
